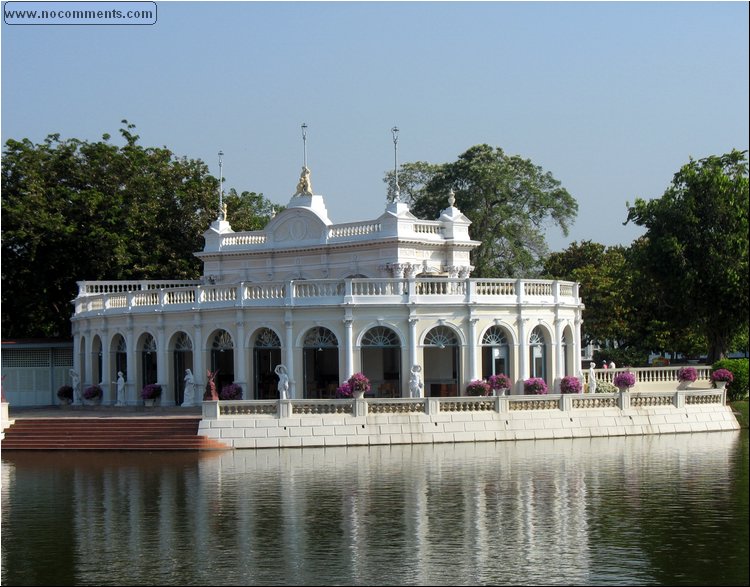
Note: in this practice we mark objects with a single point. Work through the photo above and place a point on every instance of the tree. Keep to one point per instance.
(604, 276)
(696, 248)
(509, 200)
(73, 210)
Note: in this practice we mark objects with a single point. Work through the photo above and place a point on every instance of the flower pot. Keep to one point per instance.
(92, 402)
(150, 402)
(65, 401)
(623, 388)
(683, 385)
(720, 384)
(358, 393)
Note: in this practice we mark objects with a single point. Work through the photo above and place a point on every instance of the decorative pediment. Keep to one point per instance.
(295, 226)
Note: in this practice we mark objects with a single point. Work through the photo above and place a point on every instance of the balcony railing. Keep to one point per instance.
(133, 296)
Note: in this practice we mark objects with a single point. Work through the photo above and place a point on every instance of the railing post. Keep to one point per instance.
(285, 408)
(567, 402)
(360, 407)
(432, 406)
(624, 400)
(211, 410)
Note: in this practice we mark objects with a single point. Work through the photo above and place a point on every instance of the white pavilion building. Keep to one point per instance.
(328, 300)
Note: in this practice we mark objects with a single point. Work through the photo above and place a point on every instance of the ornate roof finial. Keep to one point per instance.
(222, 208)
(304, 187)
(397, 188)
(451, 198)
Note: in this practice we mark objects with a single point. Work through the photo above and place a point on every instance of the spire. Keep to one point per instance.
(222, 211)
(304, 187)
(397, 188)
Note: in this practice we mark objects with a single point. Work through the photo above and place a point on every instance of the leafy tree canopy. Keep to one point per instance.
(509, 200)
(695, 249)
(74, 210)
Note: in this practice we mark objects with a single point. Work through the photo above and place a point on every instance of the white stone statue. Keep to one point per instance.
(120, 389)
(283, 386)
(612, 365)
(415, 383)
(75, 383)
(592, 378)
(189, 393)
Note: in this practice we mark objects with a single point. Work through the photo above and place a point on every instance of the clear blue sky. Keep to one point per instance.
(611, 98)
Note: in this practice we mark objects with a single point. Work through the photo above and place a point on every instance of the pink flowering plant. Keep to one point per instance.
(151, 391)
(344, 390)
(535, 386)
(65, 393)
(478, 387)
(499, 382)
(722, 375)
(359, 382)
(687, 374)
(624, 379)
(570, 384)
(92, 392)
(231, 391)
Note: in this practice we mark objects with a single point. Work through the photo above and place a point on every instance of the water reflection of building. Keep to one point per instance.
(328, 300)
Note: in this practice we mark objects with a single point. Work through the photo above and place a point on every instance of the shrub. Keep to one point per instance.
(687, 374)
(535, 386)
(570, 384)
(624, 379)
(605, 387)
(478, 387)
(65, 392)
(92, 392)
(151, 391)
(738, 388)
(232, 391)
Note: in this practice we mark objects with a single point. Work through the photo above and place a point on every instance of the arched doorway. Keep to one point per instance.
(538, 354)
(442, 364)
(96, 361)
(120, 355)
(266, 356)
(320, 356)
(182, 358)
(222, 359)
(381, 361)
(147, 346)
(495, 353)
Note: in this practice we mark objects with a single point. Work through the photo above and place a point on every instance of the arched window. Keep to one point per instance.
(222, 359)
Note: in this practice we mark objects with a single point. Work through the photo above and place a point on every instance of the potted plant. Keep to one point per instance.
(721, 377)
(150, 393)
(360, 385)
(570, 384)
(478, 387)
(535, 386)
(686, 376)
(232, 391)
(344, 391)
(624, 380)
(500, 383)
(93, 394)
(65, 395)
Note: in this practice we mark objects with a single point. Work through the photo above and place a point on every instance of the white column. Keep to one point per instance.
(288, 360)
(240, 356)
(413, 342)
(131, 389)
(77, 362)
(577, 342)
(162, 373)
(559, 362)
(348, 346)
(199, 369)
(110, 385)
(474, 372)
(523, 352)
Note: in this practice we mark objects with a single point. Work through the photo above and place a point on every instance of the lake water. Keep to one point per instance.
(647, 510)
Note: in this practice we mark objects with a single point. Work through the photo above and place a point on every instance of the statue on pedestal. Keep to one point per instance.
(283, 385)
(75, 383)
(120, 389)
(189, 393)
(415, 383)
(304, 187)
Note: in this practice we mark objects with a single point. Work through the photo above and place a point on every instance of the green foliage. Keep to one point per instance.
(75, 210)
(606, 280)
(738, 388)
(509, 200)
(632, 356)
(695, 251)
